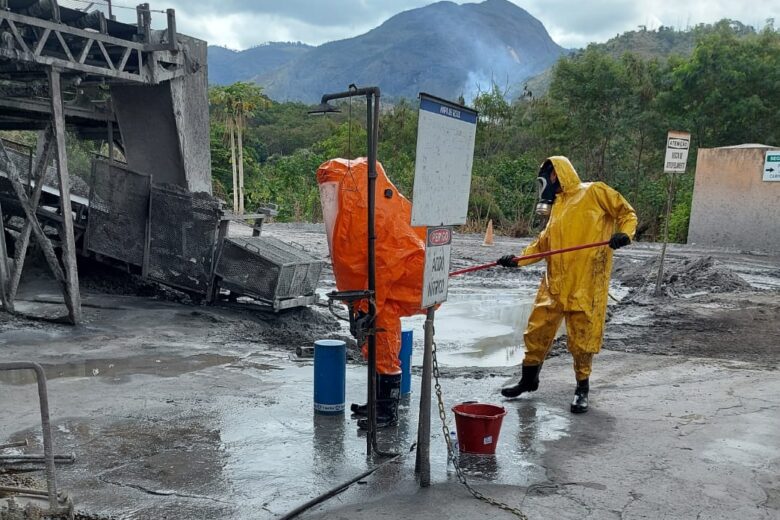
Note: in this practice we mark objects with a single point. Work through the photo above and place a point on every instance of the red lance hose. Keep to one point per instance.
(529, 257)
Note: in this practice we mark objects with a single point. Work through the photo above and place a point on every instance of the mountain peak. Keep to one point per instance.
(444, 48)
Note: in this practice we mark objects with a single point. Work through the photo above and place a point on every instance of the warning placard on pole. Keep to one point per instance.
(677, 145)
(442, 170)
(437, 266)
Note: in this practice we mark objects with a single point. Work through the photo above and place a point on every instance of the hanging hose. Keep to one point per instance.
(534, 256)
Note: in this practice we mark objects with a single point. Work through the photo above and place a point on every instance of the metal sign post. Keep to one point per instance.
(445, 150)
(435, 284)
(372, 95)
(677, 146)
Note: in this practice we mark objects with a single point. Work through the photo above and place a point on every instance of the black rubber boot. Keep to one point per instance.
(360, 410)
(388, 395)
(580, 403)
(529, 382)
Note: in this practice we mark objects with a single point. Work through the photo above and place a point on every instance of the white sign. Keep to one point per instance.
(445, 153)
(677, 145)
(772, 166)
(436, 276)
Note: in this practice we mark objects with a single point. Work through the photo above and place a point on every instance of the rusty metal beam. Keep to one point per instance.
(32, 218)
(43, 107)
(72, 296)
(67, 29)
(8, 303)
(42, 159)
(48, 438)
(148, 53)
(71, 65)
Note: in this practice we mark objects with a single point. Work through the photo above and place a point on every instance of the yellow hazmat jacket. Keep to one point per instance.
(583, 213)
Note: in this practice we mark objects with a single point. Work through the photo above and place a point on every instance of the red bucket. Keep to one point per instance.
(478, 426)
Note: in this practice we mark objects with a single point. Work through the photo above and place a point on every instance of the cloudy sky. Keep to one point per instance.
(239, 24)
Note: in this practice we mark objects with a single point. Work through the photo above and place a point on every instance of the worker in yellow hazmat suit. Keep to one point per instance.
(576, 283)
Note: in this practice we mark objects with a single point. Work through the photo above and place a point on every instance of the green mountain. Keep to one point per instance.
(665, 41)
(659, 43)
(227, 66)
(444, 48)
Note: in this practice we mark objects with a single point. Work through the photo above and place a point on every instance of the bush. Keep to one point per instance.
(678, 222)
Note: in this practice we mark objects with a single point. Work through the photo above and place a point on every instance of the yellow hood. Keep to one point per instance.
(566, 173)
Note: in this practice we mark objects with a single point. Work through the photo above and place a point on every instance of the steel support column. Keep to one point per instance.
(32, 219)
(42, 159)
(72, 296)
(7, 303)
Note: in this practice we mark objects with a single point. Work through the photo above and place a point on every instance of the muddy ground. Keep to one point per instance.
(178, 410)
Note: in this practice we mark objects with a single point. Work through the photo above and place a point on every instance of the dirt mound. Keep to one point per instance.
(105, 279)
(721, 326)
(681, 276)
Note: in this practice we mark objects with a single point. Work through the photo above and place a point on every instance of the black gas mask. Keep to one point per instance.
(547, 189)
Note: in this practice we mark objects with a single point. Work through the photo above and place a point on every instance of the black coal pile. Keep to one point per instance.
(682, 276)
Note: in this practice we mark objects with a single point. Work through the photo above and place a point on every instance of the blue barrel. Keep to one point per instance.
(407, 338)
(330, 376)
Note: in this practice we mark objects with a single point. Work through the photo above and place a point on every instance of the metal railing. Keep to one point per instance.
(57, 504)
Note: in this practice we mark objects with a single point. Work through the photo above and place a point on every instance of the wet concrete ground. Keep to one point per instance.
(192, 412)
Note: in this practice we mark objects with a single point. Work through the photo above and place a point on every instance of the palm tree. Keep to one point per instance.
(233, 105)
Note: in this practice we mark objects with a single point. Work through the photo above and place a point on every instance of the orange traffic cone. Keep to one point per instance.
(488, 234)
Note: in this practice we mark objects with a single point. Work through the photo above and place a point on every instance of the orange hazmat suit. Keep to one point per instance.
(400, 248)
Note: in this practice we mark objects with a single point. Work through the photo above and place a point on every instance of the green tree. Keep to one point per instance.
(232, 106)
(729, 91)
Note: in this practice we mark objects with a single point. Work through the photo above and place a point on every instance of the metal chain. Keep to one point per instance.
(450, 451)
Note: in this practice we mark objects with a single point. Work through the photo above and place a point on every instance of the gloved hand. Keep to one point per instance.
(507, 261)
(619, 240)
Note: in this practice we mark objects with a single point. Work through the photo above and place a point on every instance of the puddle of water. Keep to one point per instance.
(27, 337)
(478, 329)
(119, 369)
(483, 329)
(280, 454)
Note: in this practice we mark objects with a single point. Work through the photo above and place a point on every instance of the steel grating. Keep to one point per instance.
(183, 233)
(118, 212)
(21, 155)
(267, 268)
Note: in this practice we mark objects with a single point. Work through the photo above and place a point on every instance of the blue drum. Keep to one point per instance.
(330, 376)
(407, 339)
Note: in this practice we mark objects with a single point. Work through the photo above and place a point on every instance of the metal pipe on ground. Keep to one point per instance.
(23, 491)
(17, 444)
(58, 459)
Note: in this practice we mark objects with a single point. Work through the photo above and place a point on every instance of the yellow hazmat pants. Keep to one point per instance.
(584, 334)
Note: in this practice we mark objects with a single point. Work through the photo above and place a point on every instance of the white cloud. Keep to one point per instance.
(571, 23)
(589, 21)
(240, 30)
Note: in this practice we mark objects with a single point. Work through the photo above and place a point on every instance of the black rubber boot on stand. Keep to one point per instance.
(360, 410)
(388, 395)
(580, 403)
(529, 382)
